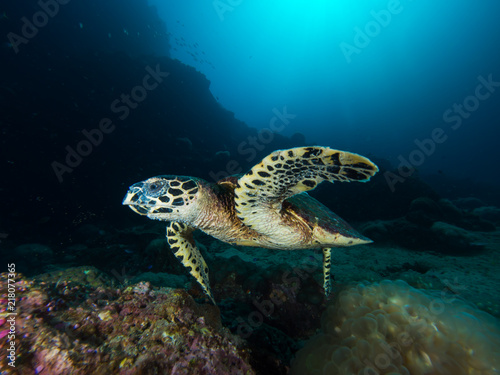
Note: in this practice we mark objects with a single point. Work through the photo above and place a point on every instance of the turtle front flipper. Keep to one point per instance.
(260, 193)
(181, 241)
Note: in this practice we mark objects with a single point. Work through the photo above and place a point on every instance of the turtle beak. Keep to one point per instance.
(133, 199)
(133, 194)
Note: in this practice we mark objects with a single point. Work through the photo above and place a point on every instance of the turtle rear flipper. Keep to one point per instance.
(260, 193)
(181, 241)
(327, 264)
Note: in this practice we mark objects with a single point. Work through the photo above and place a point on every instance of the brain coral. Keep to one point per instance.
(392, 328)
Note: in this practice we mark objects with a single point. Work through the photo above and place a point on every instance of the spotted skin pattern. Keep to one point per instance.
(181, 241)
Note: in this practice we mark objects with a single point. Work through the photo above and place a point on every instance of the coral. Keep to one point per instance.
(83, 325)
(401, 232)
(451, 212)
(489, 213)
(420, 231)
(424, 211)
(468, 203)
(376, 230)
(392, 328)
(453, 239)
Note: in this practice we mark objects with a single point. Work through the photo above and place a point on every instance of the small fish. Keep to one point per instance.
(128, 251)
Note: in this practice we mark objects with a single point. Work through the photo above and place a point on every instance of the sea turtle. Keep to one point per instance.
(267, 207)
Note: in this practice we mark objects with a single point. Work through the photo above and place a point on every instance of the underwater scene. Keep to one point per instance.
(250, 187)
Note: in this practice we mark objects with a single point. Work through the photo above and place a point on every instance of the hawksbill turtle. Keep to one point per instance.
(267, 207)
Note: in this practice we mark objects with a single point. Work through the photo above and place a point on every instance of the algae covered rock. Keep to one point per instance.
(69, 326)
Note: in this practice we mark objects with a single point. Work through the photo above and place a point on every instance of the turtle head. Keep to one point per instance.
(166, 198)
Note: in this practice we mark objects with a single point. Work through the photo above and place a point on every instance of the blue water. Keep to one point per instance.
(371, 76)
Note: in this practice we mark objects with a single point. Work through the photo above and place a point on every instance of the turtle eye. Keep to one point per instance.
(155, 187)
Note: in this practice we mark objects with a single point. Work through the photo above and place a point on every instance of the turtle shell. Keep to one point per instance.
(314, 213)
